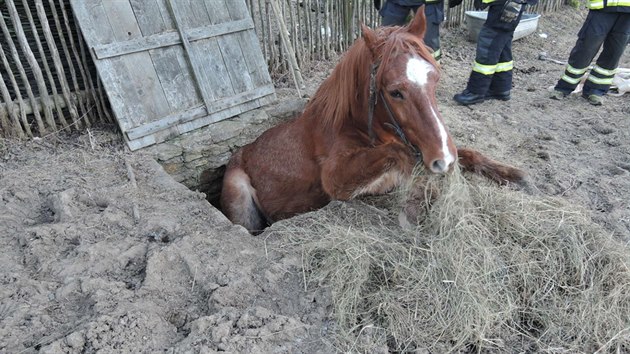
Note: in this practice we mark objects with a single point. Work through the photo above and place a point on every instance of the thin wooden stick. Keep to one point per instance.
(54, 53)
(272, 49)
(46, 102)
(293, 26)
(327, 29)
(318, 32)
(99, 89)
(4, 111)
(308, 30)
(11, 111)
(132, 178)
(24, 77)
(33, 64)
(43, 56)
(101, 104)
(21, 107)
(297, 35)
(78, 59)
(284, 35)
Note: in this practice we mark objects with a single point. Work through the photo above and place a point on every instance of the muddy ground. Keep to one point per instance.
(103, 252)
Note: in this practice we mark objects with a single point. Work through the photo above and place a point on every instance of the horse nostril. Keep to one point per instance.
(439, 166)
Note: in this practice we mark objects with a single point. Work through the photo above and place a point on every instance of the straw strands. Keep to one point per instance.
(485, 269)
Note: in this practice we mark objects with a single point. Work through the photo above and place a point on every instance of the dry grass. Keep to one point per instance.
(486, 269)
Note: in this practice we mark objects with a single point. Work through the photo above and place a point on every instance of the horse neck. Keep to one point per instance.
(342, 97)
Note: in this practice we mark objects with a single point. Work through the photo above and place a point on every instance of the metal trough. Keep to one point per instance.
(475, 20)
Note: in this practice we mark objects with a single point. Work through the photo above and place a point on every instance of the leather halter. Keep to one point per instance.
(394, 123)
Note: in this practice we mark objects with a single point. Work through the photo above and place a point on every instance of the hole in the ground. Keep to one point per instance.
(197, 159)
(210, 182)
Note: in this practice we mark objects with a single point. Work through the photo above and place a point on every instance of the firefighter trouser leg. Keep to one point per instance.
(393, 21)
(432, 39)
(600, 28)
(394, 14)
(493, 61)
(435, 15)
(601, 76)
(502, 79)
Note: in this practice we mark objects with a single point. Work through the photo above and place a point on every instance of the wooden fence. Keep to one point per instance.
(319, 29)
(48, 81)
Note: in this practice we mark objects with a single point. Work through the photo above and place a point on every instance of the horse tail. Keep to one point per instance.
(238, 199)
(475, 162)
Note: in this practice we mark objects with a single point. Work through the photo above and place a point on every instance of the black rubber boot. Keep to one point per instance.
(467, 98)
(501, 96)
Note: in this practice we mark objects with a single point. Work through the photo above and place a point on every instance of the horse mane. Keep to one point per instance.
(344, 94)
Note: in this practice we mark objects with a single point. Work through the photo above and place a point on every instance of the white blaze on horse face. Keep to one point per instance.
(418, 72)
(448, 157)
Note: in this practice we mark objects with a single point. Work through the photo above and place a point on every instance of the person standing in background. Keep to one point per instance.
(607, 24)
(395, 13)
(491, 76)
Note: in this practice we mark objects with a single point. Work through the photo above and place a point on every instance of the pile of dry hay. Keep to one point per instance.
(486, 269)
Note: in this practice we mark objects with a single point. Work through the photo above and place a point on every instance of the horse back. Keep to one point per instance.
(284, 170)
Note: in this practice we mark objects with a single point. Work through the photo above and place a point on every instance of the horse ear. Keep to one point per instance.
(418, 25)
(370, 38)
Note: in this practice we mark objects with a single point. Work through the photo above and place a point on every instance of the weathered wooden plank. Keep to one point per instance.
(180, 129)
(213, 76)
(239, 98)
(142, 76)
(233, 56)
(96, 30)
(252, 53)
(154, 70)
(217, 106)
(170, 62)
(181, 18)
(209, 119)
(149, 17)
(176, 78)
(167, 16)
(156, 138)
(160, 40)
(167, 122)
(230, 50)
(142, 142)
(205, 55)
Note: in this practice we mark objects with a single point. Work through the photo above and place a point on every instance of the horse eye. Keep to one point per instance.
(396, 94)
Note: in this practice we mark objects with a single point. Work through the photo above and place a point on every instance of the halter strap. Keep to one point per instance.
(372, 103)
(396, 126)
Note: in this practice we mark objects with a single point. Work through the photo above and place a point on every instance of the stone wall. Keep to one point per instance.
(197, 159)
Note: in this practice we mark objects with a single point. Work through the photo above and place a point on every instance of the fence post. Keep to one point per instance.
(290, 52)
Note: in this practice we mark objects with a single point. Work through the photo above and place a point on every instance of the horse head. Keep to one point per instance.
(402, 100)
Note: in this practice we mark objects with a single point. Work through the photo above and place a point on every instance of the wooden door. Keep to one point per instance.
(171, 66)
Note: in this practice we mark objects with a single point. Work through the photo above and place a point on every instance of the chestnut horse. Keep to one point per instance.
(361, 133)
